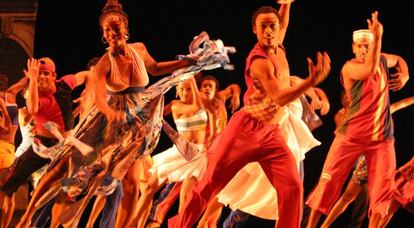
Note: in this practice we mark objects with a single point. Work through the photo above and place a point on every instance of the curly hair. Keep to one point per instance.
(113, 7)
(212, 78)
(263, 10)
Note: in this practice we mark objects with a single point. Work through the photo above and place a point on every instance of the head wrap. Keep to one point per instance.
(113, 8)
(362, 34)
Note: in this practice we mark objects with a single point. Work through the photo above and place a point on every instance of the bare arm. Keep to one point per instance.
(5, 121)
(18, 86)
(160, 68)
(312, 94)
(401, 104)
(87, 98)
(324, 99)
(83, 77)
(400, 78)
(263, 70)
(167, 109)
(196, 93)
(284, 13)
(32, 100)
(24, 117)
(231, 92)
(309, 92)
(318, 97)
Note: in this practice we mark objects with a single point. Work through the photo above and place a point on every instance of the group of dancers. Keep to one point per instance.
(252, 163)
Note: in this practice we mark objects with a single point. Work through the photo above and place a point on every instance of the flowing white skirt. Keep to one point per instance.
(171, 166)
(250, 190)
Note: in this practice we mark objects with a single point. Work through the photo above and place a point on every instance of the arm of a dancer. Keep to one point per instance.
(24, 117)
(196, 93)
(167, 109)
(401, 104)
(284, 13)
(83, 77)
(263, 70)
(400, 78)
(16, 88)
(231, 92)
(5, 121)
(309, 92)
(86, 100)
(316, 101)
(159, 68)
(32, 101)
(324, 100)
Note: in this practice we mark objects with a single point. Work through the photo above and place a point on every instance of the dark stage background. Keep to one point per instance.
(69, 33)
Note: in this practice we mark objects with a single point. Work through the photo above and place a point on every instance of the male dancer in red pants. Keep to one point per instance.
(367, 128)
(252, 133)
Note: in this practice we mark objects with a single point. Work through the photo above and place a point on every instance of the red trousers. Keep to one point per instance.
(245, 140)
(344, 151)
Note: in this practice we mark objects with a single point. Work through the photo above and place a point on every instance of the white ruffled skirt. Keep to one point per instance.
(171, 166)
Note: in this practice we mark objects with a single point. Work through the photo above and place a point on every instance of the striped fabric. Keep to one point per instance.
(369, 115)
(196, 122)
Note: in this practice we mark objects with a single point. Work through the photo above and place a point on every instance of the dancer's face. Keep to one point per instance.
(267, 28)
(184, 92)
(361, 49)
(114, 31)
(208, 88)
(46, 81)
